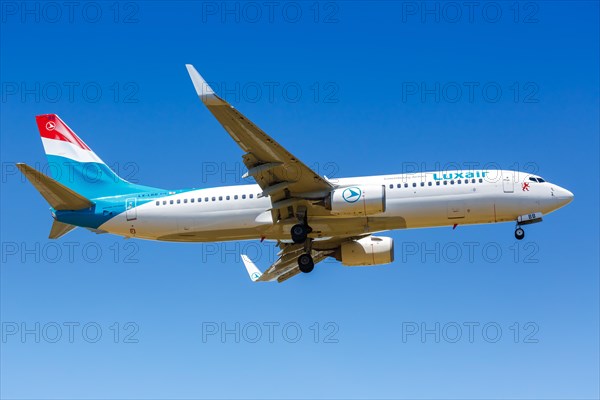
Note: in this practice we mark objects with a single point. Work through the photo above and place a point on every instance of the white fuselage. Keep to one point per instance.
(417, 200)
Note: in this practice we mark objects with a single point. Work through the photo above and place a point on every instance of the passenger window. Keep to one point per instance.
(429, 183)
(445, 182)
(206, 199)
(480, 180)
(244, 197)
(391, 186)
(235, 197)
(220, 198)
(251, 196)
(406, 185)
(437, 183)
(452, 182)
(472, 180)
(214, 199)
(399, 185)
(158, 202)
(185, 200)
(164, 202)
(171, 202)
(422, 184)
(192, 200)
(178, 201)
(199, 199)
(459, 181)
(466, 181)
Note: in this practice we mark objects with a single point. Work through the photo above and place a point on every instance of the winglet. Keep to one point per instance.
(203, 90)
(253, 271)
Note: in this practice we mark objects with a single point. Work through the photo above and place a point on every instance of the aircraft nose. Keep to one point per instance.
(563, 196)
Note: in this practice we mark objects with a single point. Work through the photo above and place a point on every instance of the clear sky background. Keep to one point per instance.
(351, 88)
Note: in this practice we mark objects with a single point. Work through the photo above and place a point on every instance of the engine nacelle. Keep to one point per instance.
(357, 200)
(371, 250)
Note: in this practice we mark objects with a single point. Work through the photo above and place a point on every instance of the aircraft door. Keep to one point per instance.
(130, 209)
(508, 182)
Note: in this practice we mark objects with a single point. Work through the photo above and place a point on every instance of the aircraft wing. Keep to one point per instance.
(286, 265)
(280, 175)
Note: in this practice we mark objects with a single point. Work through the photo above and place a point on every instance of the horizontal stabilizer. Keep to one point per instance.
(57, 195)
(60, 229)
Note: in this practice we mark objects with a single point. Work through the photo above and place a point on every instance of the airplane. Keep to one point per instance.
(310, 217)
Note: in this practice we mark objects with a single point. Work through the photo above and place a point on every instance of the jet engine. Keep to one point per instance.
(371, 250)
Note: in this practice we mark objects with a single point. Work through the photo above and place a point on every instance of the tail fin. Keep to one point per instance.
(74, 165)
(57, 195)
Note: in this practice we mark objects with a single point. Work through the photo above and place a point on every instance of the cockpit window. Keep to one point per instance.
(539, 180)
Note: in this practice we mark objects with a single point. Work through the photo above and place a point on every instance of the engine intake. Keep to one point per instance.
(357, 200)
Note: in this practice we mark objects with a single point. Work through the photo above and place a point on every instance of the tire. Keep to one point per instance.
(306, 263)
(519, 233)
(299, 233)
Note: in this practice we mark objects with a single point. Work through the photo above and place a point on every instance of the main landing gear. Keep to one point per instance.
(306, 263)
(519, 233)
(299, 233)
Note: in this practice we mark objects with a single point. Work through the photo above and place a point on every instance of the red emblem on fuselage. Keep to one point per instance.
(525, 186)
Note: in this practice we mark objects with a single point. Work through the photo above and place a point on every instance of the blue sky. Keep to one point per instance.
(352, 88)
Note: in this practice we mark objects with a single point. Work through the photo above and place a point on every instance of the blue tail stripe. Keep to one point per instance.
(92, 180)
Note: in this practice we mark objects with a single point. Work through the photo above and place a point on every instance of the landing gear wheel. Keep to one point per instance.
(519, 233)
(299, 233)
(306, 263)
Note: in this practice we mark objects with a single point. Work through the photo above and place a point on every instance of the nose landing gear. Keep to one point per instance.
(526, 219)
(519, 233)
